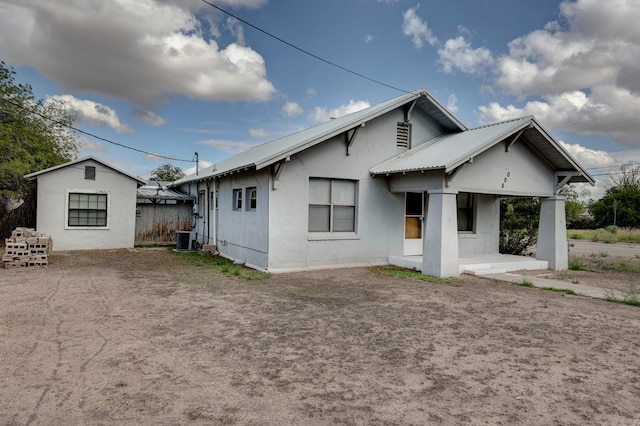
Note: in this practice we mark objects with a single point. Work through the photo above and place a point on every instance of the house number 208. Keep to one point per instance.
(506, 179)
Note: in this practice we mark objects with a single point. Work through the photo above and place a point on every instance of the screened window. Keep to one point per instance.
(332, 205)
(237, 199)
(466, 207)
(87, 210)
(89, 172)
(252, 198)
(201, 200)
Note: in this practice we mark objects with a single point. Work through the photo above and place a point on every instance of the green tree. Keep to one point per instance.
(519, 218)
(574, 206)
(33, 136)
(167, 173)
(620, 204)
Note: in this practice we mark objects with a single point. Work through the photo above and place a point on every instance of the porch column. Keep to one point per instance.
(440, 251)
(552, 233)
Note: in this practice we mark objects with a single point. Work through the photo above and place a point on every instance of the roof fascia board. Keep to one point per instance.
(444, 110)
(563, 151)
(82, 160)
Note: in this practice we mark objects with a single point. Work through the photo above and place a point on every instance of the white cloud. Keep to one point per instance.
(258, 133)
(452, 103)
(142, 50)
(91, 112)
(368, 38)
(229, 146)
(85, 144)
(292, 109)
(589, 158)
(457, 53)
(149, 117)
(415, 27)
(322, 114)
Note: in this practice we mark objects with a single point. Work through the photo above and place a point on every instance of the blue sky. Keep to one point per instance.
(174, 77)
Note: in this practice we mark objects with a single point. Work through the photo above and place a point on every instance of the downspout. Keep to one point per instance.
(215, 213)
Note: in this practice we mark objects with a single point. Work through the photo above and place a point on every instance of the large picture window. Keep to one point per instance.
(87, 210)
(466, 211)
(332, 205)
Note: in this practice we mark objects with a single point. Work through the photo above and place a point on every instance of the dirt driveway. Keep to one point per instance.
(143, 337)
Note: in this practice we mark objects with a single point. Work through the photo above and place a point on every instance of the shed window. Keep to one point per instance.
(466, 211)
(237, 199)
(89, 172)
(332, 205)
(87, 210)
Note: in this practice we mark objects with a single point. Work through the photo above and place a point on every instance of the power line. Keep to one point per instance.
(60, 123)
(306, 52)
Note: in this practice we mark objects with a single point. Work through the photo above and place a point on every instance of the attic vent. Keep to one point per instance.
(90, 172)
(403, 135)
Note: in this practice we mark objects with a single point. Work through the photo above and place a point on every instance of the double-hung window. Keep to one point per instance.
(332, 205)
(237, 199)
(87, 210)
(252, 198)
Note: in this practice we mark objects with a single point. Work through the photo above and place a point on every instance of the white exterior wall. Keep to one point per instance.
(486, 236)
(517, 172)
(242, 234)
(379, 212)
(53, 195)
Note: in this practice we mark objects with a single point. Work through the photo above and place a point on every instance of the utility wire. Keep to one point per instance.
(306, 52)
(60, 123)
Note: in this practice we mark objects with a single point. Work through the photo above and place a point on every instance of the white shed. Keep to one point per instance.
(86, 204)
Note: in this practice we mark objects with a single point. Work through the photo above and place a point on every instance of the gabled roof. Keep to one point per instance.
(269, 153)
(449, 151)
(82, 160)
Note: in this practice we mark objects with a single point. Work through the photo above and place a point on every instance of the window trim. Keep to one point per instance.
(251, 198)
(331, 234)
(89, 192)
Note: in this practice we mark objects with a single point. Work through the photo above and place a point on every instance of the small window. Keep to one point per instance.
(403, 135)
(237, 199)
(201, 200)
(466, 209)
(332, 205)
(89, 172)
(87, 210)
(252, 198)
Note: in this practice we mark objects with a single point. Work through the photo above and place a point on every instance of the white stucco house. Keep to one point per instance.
(86, 204)
(403, 182)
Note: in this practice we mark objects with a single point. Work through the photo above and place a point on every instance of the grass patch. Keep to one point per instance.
(577, 265)
(610, 234)
(222, 264)
(411, 274)
(629, 297)
(560, 290)
(526, 283)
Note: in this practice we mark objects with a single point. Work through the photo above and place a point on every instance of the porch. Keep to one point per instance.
(494, 263)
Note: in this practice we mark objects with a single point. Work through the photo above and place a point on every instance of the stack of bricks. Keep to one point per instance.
(26, 247)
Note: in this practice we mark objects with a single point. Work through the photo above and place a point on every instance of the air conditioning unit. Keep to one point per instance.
(185, 240)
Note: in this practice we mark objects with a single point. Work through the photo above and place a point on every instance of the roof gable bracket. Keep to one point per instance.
(563, 178)
(512, 141)
(448, 177)
(276, 169)
(409, 113)
(350, 138)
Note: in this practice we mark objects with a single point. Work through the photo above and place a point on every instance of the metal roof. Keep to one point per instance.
(269, 153)
(82, 160)
(450, 151)
(158, 190)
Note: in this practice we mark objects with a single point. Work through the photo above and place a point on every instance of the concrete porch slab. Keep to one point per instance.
(484, 264)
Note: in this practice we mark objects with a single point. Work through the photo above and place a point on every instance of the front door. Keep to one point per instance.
(413, 220)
